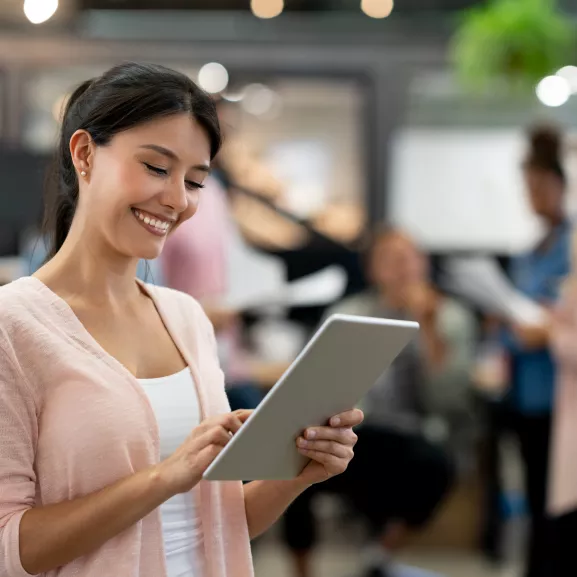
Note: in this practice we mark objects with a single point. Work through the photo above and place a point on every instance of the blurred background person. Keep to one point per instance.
(563, 472)
(194, 261)
(387, 483)
(337, 119)
(538, 274)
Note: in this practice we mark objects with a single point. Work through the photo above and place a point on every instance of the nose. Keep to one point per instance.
(175, 197)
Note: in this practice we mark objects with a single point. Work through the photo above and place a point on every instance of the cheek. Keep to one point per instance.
(537, 202)
(384, 273)
(137, 187)
(125, 183)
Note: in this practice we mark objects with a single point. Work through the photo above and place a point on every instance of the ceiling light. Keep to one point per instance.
(377, 8)
(553, 91)
(233, 96)
(267, 8)
(569, 73)
(259, 99)
(213, 77)
(38, 11)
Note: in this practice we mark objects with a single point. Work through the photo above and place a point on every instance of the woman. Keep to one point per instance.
(429, 376)
(538, 274)
(101, 453)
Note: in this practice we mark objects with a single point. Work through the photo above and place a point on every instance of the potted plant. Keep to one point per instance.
(511, 43)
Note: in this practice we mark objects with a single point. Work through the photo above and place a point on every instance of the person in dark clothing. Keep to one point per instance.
(385, 483)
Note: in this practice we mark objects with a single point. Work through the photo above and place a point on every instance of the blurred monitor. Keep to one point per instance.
(462, 190)
(22, 177)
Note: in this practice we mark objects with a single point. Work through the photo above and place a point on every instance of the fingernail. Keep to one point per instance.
(335, 421)
(302, 443)
(311, 434)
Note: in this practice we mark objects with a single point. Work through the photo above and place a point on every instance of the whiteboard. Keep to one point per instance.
(462, 190)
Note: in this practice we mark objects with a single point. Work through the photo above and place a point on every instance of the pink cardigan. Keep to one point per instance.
(563, 464)
(74, 420)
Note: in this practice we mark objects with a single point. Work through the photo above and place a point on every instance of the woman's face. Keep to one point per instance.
(396, 263)
(145, 183)
(545, 193)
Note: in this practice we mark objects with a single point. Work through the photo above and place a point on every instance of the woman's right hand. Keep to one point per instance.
(185, 467)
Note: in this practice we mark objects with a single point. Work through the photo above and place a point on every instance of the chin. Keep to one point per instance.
(145, 252)
(150, 254)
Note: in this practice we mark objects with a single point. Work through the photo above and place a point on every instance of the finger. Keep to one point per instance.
(231, 422)
(343, 435)
(243, 414)
(207, 456)
(350, 418)
(332, 464)
(329, 447)
(215, 436)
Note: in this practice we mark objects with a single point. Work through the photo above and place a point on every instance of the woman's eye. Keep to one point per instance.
(155, 169)
(191, 185)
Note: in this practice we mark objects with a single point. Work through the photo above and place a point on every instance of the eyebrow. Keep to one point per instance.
(173, 156)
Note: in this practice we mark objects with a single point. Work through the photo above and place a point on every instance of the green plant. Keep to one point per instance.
(515, 41)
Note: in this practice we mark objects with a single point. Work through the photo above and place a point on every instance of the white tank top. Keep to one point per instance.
(175, 404)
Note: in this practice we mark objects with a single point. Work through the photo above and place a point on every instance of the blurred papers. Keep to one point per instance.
(481, 281)
(258, 280)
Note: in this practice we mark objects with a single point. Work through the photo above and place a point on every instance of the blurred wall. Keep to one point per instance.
(382, 58)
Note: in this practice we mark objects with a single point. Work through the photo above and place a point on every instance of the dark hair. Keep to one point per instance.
(122, 98)
(545, 143)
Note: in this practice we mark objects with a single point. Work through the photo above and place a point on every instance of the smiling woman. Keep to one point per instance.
(109, 134)
(112, 401)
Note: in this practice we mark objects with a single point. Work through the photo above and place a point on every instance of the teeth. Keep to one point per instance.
(156, 223)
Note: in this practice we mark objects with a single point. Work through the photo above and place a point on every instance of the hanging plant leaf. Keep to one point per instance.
(516, 41)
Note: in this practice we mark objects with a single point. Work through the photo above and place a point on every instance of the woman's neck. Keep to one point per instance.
(554, 223)
(87, 271)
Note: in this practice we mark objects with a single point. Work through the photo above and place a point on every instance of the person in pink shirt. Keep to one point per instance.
(194, 261)
(563, 467)
(112, 401)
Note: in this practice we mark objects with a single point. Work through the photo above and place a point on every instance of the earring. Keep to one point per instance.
(83, 173)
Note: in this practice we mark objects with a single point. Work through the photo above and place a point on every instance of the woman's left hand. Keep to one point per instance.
(330, 448)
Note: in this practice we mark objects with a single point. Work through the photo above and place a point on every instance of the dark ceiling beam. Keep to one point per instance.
(332, 28)
(290, 5)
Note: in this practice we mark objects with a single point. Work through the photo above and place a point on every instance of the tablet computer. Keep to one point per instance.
(337, 367)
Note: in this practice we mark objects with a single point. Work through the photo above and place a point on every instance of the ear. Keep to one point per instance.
(82, 151)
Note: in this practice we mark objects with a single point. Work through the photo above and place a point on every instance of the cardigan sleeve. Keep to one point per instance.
(564, 331)
(18, 436)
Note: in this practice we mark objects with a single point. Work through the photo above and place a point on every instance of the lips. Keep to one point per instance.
(152, 223)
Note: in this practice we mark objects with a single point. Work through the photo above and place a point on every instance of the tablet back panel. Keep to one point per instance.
(334, 371)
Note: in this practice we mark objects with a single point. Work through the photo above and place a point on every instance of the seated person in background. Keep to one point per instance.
(398, 478)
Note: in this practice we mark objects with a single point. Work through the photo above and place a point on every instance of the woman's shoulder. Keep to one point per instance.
(30, 316)
(359, 304)
(22, 322)
(17, 304)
